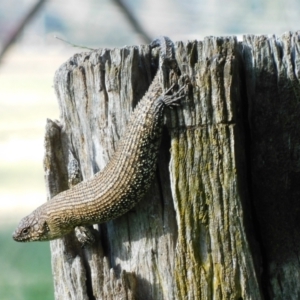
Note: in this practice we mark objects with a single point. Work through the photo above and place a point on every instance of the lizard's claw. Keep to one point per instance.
(172, 100)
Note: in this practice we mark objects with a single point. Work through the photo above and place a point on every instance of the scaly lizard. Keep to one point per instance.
(126, 178)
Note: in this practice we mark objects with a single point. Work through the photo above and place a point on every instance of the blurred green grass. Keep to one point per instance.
(25, 269)
(27, 98)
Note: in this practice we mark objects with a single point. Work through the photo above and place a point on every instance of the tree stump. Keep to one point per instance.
(221, 218)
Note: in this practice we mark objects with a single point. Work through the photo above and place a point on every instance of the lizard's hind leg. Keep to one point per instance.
(172, 100)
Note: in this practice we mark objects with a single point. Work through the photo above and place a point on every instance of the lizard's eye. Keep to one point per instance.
(25, 231)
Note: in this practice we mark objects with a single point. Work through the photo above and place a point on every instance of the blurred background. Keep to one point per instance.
(30, 54)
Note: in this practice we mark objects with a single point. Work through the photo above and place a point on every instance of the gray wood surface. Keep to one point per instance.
(221, 218)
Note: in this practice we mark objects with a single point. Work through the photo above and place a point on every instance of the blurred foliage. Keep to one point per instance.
(25, 269)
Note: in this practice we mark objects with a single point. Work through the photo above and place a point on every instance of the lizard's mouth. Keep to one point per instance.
(23, 234)
(19, 238)
(24, 239)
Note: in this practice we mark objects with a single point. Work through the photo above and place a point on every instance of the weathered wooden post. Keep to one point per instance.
(221, 218)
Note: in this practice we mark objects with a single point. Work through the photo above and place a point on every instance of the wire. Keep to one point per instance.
(36, 7)
(133, 22)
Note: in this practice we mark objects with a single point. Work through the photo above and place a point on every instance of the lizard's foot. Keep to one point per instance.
(85, 235)
(172, 100)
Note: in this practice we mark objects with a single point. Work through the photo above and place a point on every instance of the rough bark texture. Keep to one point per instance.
(221, 218)
(272, 68)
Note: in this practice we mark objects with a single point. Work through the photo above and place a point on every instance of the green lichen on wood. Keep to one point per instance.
(210, 262)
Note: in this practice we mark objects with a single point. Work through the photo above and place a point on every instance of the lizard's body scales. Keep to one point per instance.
(127, 176)
(119, 186)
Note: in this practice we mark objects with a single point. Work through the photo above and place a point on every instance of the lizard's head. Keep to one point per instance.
(33, 227)
(40, 226)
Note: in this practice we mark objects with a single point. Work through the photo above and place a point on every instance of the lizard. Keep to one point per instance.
(126, 178)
